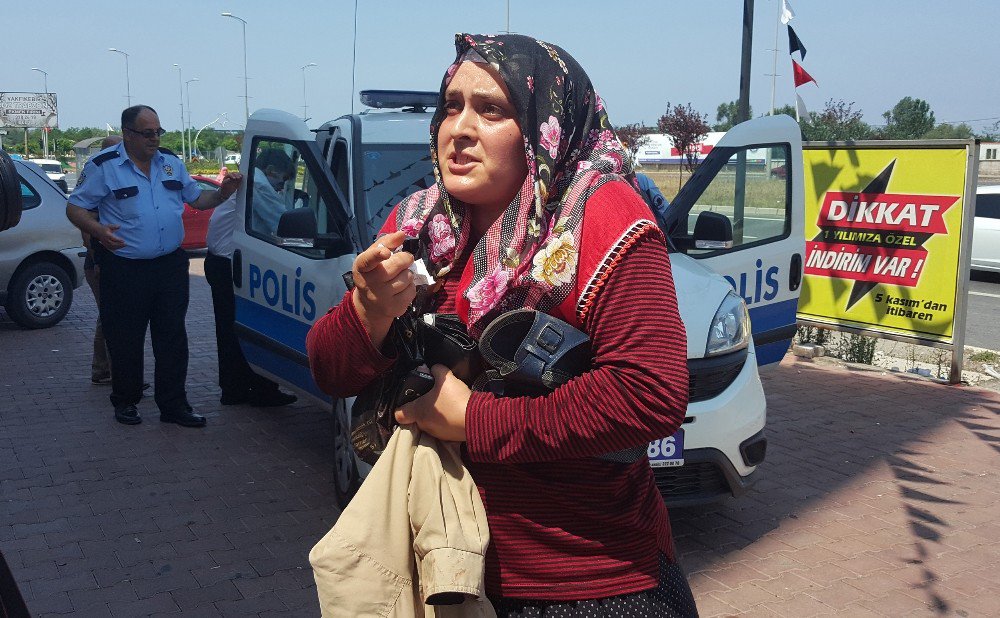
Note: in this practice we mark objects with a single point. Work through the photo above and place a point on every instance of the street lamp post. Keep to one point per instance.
(128, 87)
(305, 106)
(198, 134)
(45, 132)
(246, 94)
(180, 88)
(187, 88)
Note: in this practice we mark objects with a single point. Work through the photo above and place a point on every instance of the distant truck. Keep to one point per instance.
(736, 243)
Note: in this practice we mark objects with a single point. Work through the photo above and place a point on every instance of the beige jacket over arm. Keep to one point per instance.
(416, 528)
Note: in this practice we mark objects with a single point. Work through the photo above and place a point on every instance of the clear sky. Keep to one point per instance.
(640, 54)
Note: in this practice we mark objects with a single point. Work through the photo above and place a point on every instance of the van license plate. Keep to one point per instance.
(667, 452)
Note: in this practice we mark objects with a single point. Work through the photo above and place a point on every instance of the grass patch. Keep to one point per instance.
(985, 356)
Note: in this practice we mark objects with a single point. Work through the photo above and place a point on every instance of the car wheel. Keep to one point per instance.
(40, 296)
(346, 478)
(10, 193)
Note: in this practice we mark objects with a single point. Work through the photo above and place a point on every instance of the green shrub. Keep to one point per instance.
(858, 348)
(985, 356)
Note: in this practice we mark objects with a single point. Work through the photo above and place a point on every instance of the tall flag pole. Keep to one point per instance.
(774, 55)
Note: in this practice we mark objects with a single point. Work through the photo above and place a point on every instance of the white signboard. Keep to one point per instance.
(28, 109)
(659, 148)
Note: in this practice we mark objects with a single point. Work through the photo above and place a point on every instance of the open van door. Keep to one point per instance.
(295, 238)
(742, 215)
(283, 285)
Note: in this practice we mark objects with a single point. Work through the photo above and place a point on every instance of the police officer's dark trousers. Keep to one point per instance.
(236, 378)
(136, 293)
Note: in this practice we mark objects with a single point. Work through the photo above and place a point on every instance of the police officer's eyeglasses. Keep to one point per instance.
(148, 133)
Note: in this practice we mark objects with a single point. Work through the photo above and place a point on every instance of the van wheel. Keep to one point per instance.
(40, 296)
(10, 193)
(346, 478)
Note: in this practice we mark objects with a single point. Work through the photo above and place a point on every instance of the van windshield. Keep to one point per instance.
(52, 168)
(390, 173)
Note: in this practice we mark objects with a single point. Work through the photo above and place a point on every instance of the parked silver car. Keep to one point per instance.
(41, 257)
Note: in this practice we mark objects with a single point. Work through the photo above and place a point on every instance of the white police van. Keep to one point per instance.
(736, 236)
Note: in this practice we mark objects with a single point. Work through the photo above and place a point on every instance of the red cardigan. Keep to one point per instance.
(564, 525)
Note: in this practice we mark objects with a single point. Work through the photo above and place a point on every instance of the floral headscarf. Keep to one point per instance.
(528, 257)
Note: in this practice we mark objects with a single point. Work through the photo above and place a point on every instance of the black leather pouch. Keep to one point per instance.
(531, 353)
(446, 342)
(418, 340)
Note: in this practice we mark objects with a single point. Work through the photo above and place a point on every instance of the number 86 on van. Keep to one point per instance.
(667, 452)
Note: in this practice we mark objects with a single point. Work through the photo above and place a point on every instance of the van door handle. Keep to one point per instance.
(237, 269)
(795, 274)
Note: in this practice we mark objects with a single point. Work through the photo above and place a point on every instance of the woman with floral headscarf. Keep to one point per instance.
(535, 206)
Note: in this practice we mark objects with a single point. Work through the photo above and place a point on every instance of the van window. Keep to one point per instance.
(390, 173)
(754, 193)
(29, 197)
(279, 181)
(988, 205)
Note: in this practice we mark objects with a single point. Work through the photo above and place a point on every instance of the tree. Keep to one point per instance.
(633, 137)
(788, 110)
(909, 119)
(838, 121)
(991, 134)
(949, 131)
(688, 129)
(726, 115)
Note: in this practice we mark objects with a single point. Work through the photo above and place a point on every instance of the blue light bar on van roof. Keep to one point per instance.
(391, 99)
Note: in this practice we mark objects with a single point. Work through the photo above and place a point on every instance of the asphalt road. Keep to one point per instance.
(983, 313)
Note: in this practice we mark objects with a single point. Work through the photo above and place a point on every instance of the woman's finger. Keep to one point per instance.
(380, 251)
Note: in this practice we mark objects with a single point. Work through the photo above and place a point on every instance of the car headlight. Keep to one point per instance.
(730, 329)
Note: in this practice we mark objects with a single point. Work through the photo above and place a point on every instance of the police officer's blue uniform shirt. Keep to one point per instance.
(148, 210)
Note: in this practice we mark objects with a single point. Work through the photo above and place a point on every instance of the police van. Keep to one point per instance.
(736, 243)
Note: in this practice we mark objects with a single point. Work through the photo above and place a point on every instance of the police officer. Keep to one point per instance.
(130, 198)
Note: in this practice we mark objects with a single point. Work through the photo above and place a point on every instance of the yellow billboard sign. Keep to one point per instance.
(883, 238)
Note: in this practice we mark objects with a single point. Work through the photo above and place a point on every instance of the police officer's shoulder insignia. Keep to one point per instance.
(169, 171)
(106, 156)
(83, 176)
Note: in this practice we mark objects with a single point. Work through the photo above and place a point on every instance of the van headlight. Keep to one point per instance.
(730, 329)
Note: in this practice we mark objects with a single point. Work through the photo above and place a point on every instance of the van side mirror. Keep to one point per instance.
(297, 224)
(297, 228)
(713, 231)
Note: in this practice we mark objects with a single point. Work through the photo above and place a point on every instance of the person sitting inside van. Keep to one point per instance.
(654, 198)
(271, 191)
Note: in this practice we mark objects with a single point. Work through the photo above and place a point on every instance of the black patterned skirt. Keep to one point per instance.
(672, 598)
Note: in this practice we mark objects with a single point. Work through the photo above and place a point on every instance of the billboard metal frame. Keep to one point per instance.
(957, 343)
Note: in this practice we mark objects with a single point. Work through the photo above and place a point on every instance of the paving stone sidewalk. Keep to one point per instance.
(881, 496)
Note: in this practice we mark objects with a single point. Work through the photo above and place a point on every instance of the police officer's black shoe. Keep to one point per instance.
(184, 418)
(270, 399)
(127, 415)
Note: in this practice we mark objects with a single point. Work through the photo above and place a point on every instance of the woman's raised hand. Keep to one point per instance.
(384, 285)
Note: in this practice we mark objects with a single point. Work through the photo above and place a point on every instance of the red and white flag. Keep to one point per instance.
(801, 77)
